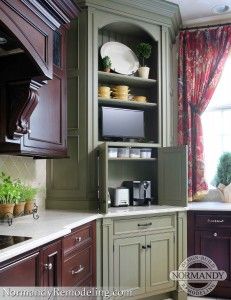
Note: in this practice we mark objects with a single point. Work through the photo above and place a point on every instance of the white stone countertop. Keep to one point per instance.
(53, 224)
(210, 206)
(141, 210)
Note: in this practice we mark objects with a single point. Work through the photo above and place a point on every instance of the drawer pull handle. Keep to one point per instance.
(215, 221)
(145, 224)
(215, 234)
(149, 246)
(81, 268)
(78, 239)
(144, 247)
(48, 266)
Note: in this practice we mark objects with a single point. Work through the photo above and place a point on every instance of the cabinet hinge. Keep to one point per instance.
(174, 238)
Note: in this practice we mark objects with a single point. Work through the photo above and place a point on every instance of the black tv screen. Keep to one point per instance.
(122, 123)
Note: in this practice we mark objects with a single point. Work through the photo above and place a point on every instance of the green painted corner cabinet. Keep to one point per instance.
(72, 183)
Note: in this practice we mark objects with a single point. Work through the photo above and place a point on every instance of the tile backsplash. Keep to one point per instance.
(29, 171)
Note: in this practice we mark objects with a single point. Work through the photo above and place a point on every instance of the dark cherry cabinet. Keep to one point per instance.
(209, 234)
(21, 272)
(68, 261)
(48, 123)
(33, 96)
(51, 262)
(79, 256)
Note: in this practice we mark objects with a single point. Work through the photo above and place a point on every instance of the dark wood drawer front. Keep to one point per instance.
(213, 221)
(78, 238)
(24, 272)
(78, 267)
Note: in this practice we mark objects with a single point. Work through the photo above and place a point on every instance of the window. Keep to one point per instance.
(216, 122)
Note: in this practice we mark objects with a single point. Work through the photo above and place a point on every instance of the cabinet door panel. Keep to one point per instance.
(160, 261)
(129, 264)
(51, 264)
(172, 176)
(217, 246)
(48, 121)
(24, 272)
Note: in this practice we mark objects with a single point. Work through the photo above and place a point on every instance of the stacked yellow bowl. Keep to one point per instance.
(104, 92)
(121, 92)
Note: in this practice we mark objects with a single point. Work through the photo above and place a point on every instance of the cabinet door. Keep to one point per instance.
(172, 176)
(129, 264)
(216, 245)
(160, 261)
(48, 121)
(51, 260)
(24, 272)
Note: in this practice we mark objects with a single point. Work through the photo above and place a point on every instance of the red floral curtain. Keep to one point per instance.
(202, 54)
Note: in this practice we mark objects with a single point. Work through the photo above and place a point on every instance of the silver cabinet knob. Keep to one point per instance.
(215, 234)
(48, 266)
(78, 239)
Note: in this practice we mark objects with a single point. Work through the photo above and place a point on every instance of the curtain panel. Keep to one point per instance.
(202, 55)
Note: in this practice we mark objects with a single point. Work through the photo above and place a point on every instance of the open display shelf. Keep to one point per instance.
(131, 80)
(127, 103)
(131, 35)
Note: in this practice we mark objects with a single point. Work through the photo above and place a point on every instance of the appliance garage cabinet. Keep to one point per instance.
(209, 234)
(69, 261)
(33, 92)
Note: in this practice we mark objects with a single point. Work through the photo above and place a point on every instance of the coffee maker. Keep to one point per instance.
(139, 192)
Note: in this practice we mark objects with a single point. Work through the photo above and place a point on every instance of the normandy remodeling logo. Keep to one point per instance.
(207, 275)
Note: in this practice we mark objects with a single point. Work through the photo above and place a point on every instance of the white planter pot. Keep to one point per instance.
(225, 192)
(144, 72)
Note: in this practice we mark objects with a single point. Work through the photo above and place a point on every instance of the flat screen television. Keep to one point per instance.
(122, 123)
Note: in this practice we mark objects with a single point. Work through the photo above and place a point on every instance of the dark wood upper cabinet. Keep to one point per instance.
(33, 96)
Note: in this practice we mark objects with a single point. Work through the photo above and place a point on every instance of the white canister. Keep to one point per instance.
(123, 152)
(112, 152)
(134, 153)
(146, 153)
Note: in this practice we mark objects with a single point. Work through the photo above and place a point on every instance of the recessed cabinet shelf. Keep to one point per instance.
(125, 79)
(132, 159)
(126, 103)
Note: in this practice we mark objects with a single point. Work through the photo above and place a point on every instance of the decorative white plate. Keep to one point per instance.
(124, 60)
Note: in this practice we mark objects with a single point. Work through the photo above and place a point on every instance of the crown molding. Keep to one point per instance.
(218, 19)
(160, 12)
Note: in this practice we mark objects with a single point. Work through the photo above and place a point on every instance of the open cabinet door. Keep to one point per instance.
(173, 176)
(103, 178)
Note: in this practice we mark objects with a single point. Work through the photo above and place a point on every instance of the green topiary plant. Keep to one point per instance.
(223, 175)
(106, 63)
(144, 51)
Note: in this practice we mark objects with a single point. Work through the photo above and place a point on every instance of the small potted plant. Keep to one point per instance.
(20, 201)
(9, 194)
(106, 64)
(28, 195)
(144, 52)
(223, 176)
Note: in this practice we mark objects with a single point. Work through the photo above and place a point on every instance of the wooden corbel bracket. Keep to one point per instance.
(22, 98)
